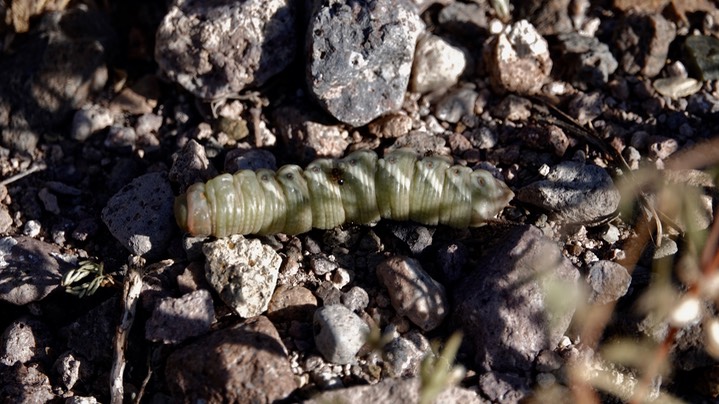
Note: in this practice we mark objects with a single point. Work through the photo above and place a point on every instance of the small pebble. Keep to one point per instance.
(667, 248)
(355, 299)
(413, 292)
(609, 281)
(32, 228)
(677, 87)
(339, 333)
(341, 277)
(611, 235)
(88, 121)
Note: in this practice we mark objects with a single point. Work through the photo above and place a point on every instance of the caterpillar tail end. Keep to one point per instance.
(180, 209)
(192, 211)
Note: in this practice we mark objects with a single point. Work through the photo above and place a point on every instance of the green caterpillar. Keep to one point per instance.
(359, 188)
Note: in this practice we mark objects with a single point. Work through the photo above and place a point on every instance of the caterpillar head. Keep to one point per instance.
(489, 197)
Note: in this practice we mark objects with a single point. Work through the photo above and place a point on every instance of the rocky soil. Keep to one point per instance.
(596, 283)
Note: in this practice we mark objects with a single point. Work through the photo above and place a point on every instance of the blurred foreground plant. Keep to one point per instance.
(680, 293)
(438, 372)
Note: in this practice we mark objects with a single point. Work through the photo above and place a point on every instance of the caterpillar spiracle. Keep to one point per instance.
(359, 188)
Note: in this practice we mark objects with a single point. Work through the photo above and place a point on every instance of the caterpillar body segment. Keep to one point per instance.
(359, 188)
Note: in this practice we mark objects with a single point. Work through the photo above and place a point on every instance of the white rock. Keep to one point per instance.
(243, 272)
(437, 64)
(339, 333)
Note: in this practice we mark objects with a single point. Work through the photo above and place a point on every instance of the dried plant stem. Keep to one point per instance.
(653, 369)
(709, 263)
(131, 293)
(18, 176)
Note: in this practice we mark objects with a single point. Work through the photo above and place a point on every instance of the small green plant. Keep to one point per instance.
(71, 280)
(438, 372)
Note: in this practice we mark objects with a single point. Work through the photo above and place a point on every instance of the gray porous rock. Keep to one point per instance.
(503, 303)
(413, 292)
(72, 368)
(25, 340)
(574, 192)
(29, 269)
(243, 273)
(177, 319)
(355, 299)
(403, 355)
(245, 363)
(191, 165)
(339, 333)
(140, 215)
(360, 56)
(217, 49)
(25, 384)
(504, 388)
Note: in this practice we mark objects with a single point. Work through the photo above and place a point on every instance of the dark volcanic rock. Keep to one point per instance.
(217, 49)
(241, 364)
(585, 62)
(29, 269)
(360, 57)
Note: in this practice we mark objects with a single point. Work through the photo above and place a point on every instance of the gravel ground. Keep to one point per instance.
(595, 283)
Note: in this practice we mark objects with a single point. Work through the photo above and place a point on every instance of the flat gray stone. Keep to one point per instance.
(703, 56)
(585, 62)
(29, 269)
(140, 215)
(177, 319)
(501, 305)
